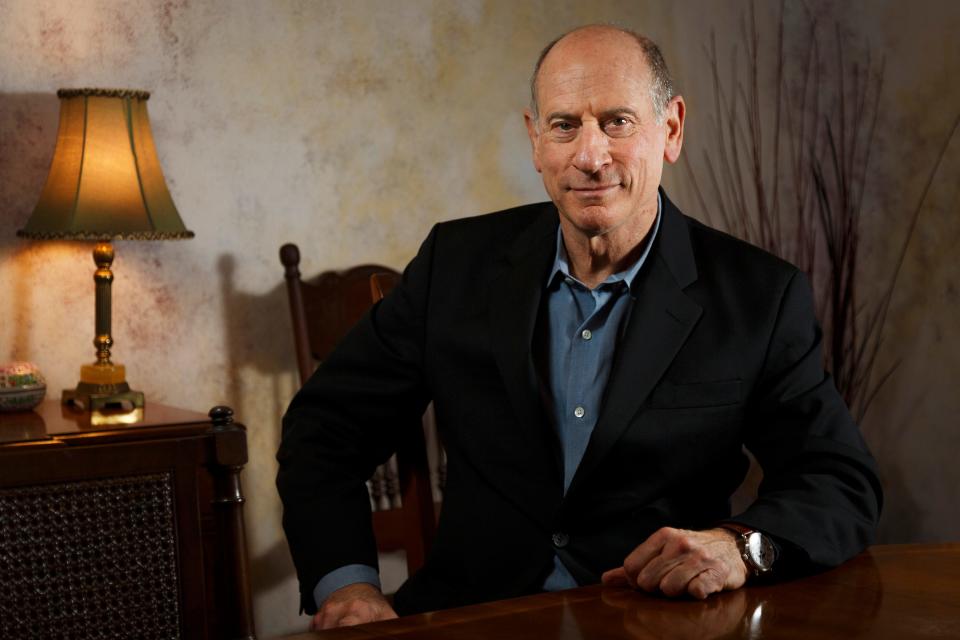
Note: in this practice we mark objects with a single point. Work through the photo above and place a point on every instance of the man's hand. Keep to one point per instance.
(676, 561)
(353, 604)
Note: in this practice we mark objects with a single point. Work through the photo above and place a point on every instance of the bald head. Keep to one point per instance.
(661, 85)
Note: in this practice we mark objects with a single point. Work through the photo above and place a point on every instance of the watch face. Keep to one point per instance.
(761, 551)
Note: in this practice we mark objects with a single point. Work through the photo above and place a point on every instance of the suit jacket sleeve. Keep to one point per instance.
(820, 492)
(347, 419)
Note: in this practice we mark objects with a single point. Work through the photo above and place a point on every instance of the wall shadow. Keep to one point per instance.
(28, 131)
(258, 331)
(259, 336)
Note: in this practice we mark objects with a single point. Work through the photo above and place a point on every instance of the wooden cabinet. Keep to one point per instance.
(126, 530)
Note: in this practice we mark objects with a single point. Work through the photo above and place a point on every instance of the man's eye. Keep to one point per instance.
(563, 130)
(618, 126)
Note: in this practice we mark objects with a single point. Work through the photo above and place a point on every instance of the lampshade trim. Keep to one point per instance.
(136, 94)
(97, 235)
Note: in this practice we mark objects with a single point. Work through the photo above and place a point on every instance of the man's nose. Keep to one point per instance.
(593, 149)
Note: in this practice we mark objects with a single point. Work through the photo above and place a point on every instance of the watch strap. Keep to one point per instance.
(737, 528)
(743, 533)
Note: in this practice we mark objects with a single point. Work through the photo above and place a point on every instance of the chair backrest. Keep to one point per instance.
(323, 310)
(382, 283)
(325, 307)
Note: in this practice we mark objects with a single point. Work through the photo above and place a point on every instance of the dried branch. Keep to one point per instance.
(826, 108)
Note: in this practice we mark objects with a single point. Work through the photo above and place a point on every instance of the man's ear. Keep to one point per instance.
(534, 135)
(676, 112)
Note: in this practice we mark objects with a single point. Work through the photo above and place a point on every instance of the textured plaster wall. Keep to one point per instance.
(351, 128)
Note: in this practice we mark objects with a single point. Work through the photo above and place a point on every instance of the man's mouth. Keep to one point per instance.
(594, 191)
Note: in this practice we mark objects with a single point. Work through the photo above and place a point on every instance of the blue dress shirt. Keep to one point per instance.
(582, 328)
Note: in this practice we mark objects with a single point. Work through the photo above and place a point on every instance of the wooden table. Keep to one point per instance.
(122, 525)
(896, 591)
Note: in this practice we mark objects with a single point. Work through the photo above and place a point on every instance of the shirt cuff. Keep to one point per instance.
(346, 575)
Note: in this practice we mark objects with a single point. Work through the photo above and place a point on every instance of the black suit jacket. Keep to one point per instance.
(721, 350)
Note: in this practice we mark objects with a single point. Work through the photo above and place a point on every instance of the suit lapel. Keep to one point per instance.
(660, 322)
(515, 296)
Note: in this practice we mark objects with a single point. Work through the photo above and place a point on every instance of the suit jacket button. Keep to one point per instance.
(560, 539)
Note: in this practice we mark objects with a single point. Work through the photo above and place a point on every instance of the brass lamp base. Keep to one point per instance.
(102, 386)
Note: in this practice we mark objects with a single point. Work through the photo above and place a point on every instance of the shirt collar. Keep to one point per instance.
(561, 262)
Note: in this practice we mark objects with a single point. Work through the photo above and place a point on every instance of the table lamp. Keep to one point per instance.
(105, 183)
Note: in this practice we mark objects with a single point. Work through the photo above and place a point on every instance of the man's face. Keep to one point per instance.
(596, 138)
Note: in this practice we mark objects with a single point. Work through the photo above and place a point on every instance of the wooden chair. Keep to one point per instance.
(323, 309)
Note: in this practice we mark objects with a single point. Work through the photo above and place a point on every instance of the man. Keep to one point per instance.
(597, 364)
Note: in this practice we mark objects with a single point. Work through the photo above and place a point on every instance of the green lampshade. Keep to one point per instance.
(104, 184)
(105, 180)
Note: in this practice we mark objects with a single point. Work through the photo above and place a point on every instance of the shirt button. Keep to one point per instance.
(568, 280)
(579, 412)
(586, 334)
(560, 539)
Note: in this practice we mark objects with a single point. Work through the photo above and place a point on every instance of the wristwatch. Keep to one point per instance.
(757, 550)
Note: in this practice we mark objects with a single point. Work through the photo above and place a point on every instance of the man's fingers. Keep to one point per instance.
(706, 582)
(344, 616)
(650, 577)
(615, 578)
(351, 619)
(675, 551)
(328, 617)
(320, 618)
(681, 561)
(674, 562)
(356, 603)
(697, 579)
(674, 582)
(646, 551)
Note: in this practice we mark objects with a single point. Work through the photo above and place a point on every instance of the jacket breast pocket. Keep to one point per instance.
(674, 395)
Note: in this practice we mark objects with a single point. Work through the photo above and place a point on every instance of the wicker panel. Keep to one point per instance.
(93, 559)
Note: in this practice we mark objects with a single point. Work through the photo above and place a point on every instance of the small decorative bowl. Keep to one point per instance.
(21, 386)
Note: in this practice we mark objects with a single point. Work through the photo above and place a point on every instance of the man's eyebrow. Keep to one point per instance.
(561, 115)
(617, 111)
(606, 113)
